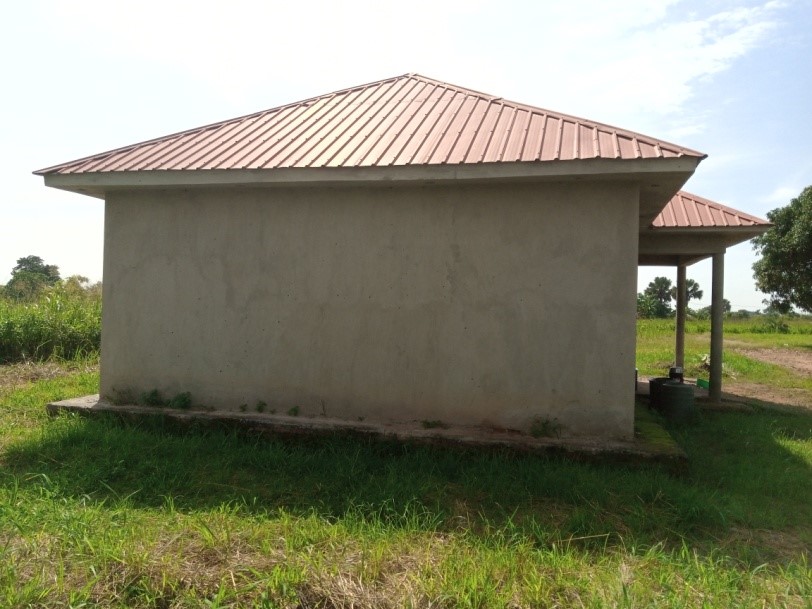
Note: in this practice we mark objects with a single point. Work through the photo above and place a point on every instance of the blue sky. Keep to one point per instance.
(730, 78)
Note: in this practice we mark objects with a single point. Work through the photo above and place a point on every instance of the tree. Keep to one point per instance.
(646, 306)
(784, 271)
(658, 293)
(79, 286)
(25, 286)
(691, 289)
(705, 312)
(36, 265)
(29, 277)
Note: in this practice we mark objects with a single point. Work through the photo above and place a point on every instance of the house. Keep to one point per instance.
(401, 250)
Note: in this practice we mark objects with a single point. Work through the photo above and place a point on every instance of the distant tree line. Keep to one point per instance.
(656, 300)
(31, 277)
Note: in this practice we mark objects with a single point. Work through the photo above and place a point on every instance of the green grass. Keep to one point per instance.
(655, 349)
(59, 324)
(97, 512)
(799, 328)
(765, 373)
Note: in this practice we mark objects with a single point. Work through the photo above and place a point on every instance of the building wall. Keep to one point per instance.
(495, 305)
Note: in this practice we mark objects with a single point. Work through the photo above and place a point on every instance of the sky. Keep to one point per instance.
(732, 79)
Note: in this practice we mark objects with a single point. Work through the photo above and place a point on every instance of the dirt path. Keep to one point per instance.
(797, 360)
(767, 395)
(16, 375)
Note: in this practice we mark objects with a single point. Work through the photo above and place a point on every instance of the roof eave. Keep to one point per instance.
(754, 230)
(98, 183)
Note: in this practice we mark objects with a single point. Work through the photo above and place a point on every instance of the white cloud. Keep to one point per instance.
(645, 64)
(629, 59)
(782, 195)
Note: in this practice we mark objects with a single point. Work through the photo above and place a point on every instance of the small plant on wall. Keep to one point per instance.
(545, 428)
(434, 424)
(181, 400)
(151, 398)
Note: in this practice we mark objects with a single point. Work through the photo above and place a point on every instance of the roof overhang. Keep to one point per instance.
(685, 246)
(659, 178)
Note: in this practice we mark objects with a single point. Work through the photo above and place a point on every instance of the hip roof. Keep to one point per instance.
(401, 121)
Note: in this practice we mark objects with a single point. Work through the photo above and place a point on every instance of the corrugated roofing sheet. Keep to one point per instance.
(407, 120)
(685, 210)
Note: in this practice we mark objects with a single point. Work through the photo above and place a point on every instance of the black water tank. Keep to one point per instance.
(676, 402)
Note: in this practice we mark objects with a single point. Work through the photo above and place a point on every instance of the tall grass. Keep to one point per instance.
(60, 323)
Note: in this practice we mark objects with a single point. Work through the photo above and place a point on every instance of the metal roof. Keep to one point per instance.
(686, 210)
(406, 120)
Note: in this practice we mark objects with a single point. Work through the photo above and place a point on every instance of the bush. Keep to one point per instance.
(61, 323)
(772, 324)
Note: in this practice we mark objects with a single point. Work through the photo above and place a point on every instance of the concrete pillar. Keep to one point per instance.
(682, 305)
(717, 319)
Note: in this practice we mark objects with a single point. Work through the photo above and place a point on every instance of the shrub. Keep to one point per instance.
(61, 323)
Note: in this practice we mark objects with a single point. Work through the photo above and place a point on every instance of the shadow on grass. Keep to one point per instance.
(747, 470)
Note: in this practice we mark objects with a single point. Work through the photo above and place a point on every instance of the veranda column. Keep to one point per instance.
(682, 305)
(717, 318)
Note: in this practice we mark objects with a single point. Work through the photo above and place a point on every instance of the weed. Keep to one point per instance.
(181, 400)
(435, 424)
(545, 428)
(773, 324)
(243, 407)
(261, 406)
(151, 398)
(293, 412)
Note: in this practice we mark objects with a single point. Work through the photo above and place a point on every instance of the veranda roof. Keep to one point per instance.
(686, 210)
(691, 228)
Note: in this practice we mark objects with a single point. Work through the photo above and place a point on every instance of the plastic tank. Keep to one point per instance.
(676, 402)
(654, 386)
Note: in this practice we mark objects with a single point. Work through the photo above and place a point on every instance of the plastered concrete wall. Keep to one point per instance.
(493, 305)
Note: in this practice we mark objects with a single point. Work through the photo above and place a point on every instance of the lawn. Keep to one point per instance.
(655, 351)
(97, 512)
